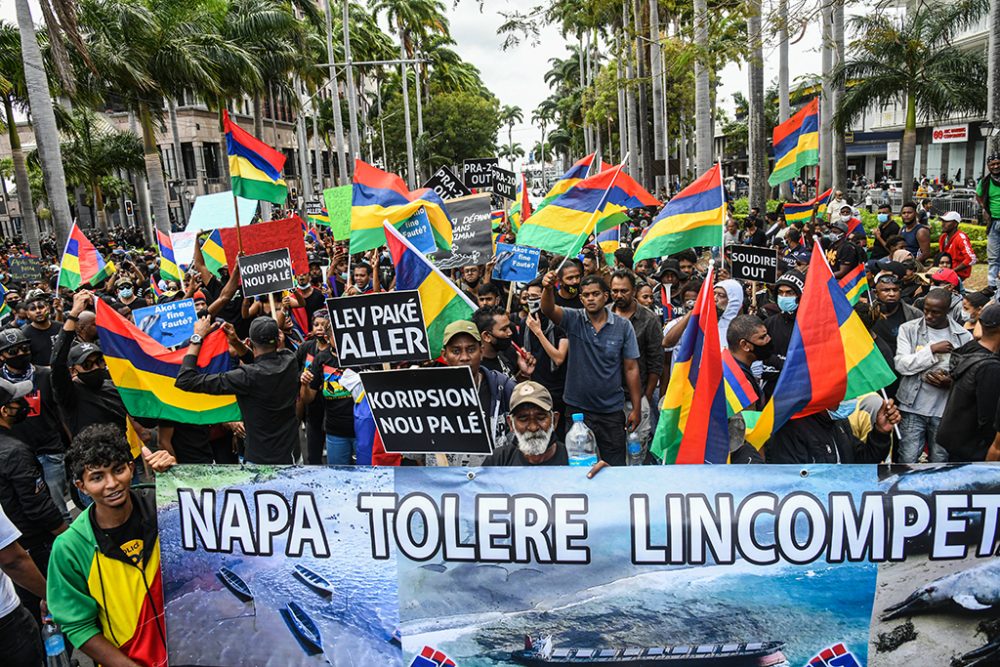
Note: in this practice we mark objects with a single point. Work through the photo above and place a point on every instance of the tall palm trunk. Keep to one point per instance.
(225, 148)
(826, 108)
(102, 215)
(352, 99)
(421, 167)
(908, 148)
(993, 65)
(181, 176)
(702, 94)
(656, 72)
(29, 222)
(784, 104)
(141, 190)
(544, 184)
(634, 167)
(410, 170)
(338, 122)
(43, 123)
(154, 170)
(757, 141)
(258, 116)
(645, 140)
(622, 110)
(582, 59)
(839, 166)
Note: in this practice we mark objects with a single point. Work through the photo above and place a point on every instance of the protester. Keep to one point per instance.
(915, 234)
(956, 244)
(788, 291)
(313, 411)
(887, 229)
(532, 424)
(749, 342)
(497, 337)
(949, 281)
(20, 641)
(40, 331)
(569, 274)
(988, 196)
(547, 343)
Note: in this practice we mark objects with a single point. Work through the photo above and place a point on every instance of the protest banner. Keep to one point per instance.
(216, 211)
(504, 183)
(472, 242)
(314, 207)
(478, 173)
(417, 230)
(265, 236)
(169, 324)
(427, 411)
(387, 327)
(735, 565)
(266, 272)
(26, 269)
(183, 243)
(516, 263)
(753, 263)
(338, 205)
(447, 184)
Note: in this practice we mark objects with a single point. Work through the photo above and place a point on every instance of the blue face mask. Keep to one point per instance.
(125, 293)
(883, 217)
(844, 410)
(788, 304)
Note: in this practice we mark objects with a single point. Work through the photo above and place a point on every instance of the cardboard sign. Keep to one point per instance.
(428, 411)
(266, 272)
(447, 184)
(417, 229)
(338, 206)
(504, 183)
(170, 323)
(516, 263)
(26, 269)
(478, 173)
(753, 263)
(472, 242)
(265, 236)
(379, 328)
(216, 211)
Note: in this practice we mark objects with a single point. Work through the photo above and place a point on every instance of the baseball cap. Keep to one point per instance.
(801, 255)
(11, 391)
(793, 279)
(460, 327)
(951, 216)
(945, 276)
(668, 266)
(11, 337)
(80, 352)
(842, 226)
(35, 295)
(530, 392)
(264, 331)
(989, 316)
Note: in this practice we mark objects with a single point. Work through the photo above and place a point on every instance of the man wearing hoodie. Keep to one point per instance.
(967, 426)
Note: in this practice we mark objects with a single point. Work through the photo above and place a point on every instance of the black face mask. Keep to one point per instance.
(20, 362)
(501, 344)
(93, 379)
(20, 415)
(762, 352)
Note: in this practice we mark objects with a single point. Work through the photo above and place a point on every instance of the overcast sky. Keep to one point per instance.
(516, 76)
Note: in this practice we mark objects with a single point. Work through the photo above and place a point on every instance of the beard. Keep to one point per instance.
(534, 444)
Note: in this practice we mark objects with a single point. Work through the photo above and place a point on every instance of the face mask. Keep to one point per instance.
(20, 362)
(343, 276)
(571, 289)
(316, 281)
(125, 293)
(303, 282)
(20, 415)
(969, 316)
(501, 344)
(762, 352)
(788, 304)
(21, 321)
(93, 379)
(150, 267)
(844, 410)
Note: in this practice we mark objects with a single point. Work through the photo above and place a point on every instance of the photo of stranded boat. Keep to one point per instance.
(734, 654)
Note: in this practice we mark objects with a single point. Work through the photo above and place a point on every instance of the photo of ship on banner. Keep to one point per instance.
(832, 566)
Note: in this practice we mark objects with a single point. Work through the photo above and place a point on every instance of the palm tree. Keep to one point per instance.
(911, 60)
(543, 115)
(511, 152)
(702, 93)
(510, 116)
(13, 93)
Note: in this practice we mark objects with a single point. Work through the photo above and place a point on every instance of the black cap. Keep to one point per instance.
(793, 279)
(35, 295)
(11, 337)
(989, 317)
(668, 266)
(80, 352)
(978, 299)
(264, 331)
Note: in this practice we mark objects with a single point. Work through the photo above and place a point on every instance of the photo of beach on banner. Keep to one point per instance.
(278, 609)
(940, 611)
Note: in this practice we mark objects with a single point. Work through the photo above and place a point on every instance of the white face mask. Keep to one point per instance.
(534, 444)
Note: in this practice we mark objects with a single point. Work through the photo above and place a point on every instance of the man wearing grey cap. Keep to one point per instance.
(533, 424)
(968, 426)
(265, 390)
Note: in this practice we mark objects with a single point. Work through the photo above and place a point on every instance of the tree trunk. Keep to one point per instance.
(784, 104)
(154, 171)
(634, 164)
(826, 108)
(410, 170)
(29, 223)
(141, 191)
(908, 148)
(622, 111)
(645, 138)
(702, 93)
(839, 167)
(43, 122)
(544, 184)
(258, 116)
(338, 122)
(317, 153)
(582, 57)
(656, 72)
(352, 100)
(757, 141)
(102, 215)
(993, 79)
(178, 161)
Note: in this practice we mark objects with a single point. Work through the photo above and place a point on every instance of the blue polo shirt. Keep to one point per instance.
(594, 365)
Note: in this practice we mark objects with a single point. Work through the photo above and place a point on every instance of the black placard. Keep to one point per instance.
(504, 183)
(314, 208)
(26, 269)
(471, 241)
(478, 173)
(447, 184)
(427, 411)
(753, 263)
(379, 328)
(266, 272)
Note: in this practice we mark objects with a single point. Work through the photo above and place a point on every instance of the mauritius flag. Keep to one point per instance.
(594, 204)
(213, 253)
(822, 368)
(254, 166)
(854, 284)
(521, 210)
(694, 217)
(81, 263)
(803, 212)
(579, 171)
(168, 264)
(380, 196)
(693, 426)
(441, 301)
(796, 144)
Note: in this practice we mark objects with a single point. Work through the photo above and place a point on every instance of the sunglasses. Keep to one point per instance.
(17, 349)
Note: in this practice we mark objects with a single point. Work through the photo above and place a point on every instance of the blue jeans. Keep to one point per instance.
(54, 472)
(915, 431)
(993, 254)
(339, 450)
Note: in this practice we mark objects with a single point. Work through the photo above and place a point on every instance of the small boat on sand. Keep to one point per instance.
(304, 626)
(313, 580)
(235, 584)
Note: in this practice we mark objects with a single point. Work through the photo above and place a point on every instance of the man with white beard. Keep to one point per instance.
(532, 423)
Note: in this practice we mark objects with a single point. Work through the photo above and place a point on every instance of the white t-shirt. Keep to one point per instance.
(8, 596)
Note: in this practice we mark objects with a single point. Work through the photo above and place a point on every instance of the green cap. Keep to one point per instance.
(460, 327)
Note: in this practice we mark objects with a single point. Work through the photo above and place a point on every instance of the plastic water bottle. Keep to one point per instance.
(55, 644)
(634, 448)
(580, 443)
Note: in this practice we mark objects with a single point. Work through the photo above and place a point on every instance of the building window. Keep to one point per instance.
(289, 161)
(187, 158)
(210, 156)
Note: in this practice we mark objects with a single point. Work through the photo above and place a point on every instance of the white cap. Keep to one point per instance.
(951, 216)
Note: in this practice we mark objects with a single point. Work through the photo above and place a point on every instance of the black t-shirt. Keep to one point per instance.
(889, 229)
(510, 455)
(41, 341)
(846, 253)
(128, 537)
(572, 302)
(305, 354)
(553, 379)
(315, 301)
(887, 327)
(505, 362)
(191, 442)
(338, 404)
(757, 238)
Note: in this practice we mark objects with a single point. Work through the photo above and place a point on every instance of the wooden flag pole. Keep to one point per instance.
(239, 236)
(510, 295)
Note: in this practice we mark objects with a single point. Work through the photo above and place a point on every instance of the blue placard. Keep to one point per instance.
(169, 323)
(417, 230)
(516, 263)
